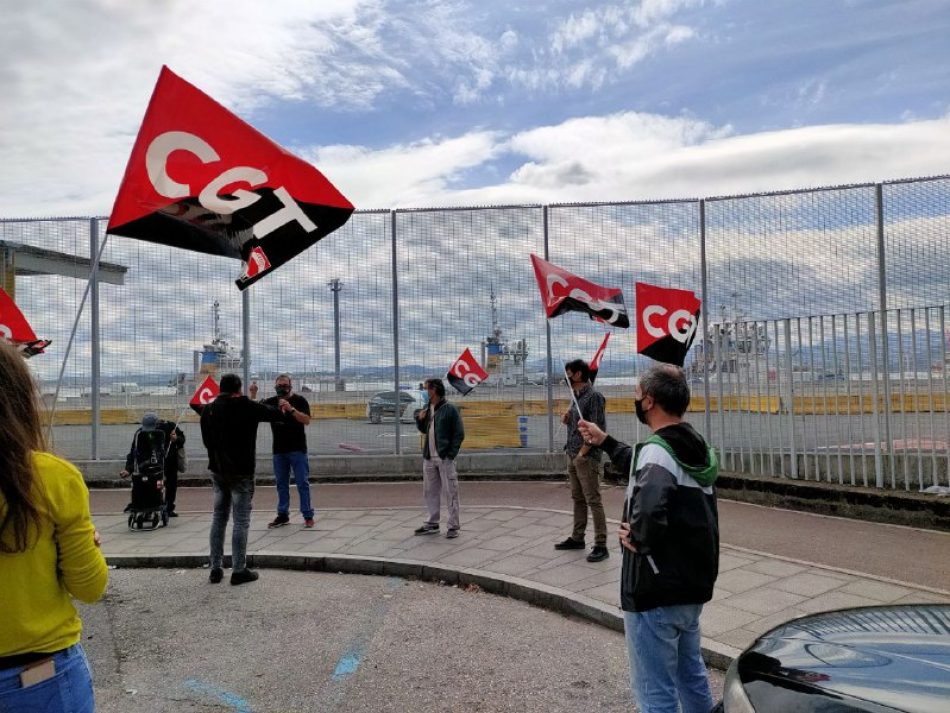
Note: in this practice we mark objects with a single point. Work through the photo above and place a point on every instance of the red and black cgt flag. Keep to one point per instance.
(562, 291)
(466, 373)
(598, 356)
(201, 179)
(666, 322)
(15, 329)
(204, 394)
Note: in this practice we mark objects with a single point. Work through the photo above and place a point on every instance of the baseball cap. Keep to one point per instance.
(149, 421)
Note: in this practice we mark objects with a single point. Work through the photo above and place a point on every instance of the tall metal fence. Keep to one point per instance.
(823, 353)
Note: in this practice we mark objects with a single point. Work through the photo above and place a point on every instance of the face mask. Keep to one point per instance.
(282, 390)
(641, 414)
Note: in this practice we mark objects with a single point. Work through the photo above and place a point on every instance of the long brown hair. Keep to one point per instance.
(21, 433)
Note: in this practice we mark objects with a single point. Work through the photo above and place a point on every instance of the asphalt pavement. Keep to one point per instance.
(167, 640)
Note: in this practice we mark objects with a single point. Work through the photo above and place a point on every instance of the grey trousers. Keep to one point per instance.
(439, 474)
(584, 477)
(231, 497)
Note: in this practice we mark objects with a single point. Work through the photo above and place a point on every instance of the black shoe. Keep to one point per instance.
(570, 544)
(598, 553)
(172, 513)
(279, 521)
(243, 576)
(128, 508)
(426, 529)
(216, 575)
(451, 534)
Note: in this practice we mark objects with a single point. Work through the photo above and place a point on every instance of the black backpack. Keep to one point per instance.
(149, 451)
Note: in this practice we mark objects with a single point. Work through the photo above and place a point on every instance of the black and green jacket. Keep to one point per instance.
(674, 522)
(449, 431)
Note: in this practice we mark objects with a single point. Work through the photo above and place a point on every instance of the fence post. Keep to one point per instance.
(392, 223)
(790, 405)
(882, 297)
(549, 380)
(872, 356)
(96, 412)
(704, 292)
(246, 337)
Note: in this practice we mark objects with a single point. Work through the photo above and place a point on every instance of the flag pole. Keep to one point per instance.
(175, 426)
(72, 335)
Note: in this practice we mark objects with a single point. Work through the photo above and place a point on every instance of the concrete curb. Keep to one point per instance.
(568, 603)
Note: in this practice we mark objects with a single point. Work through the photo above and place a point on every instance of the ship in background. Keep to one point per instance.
(215, 357)
(504, 361)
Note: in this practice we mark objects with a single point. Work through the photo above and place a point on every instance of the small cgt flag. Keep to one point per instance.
(201, 179)
(598, 356)
(562, 291)
(466, 373)
(204, 394)
(666, 322)
(14, 328)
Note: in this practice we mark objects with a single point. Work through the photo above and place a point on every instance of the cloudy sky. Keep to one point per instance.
(425, 102)
(417, 103)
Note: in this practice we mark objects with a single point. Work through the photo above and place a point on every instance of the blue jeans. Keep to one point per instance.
(231, 496)
(666, 662)
(69, 691)
(283, 462)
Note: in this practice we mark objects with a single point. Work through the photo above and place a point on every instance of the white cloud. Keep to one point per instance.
(633, 156)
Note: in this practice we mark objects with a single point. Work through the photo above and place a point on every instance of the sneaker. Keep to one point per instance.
(308, 522)
(279, 521)
(216, 575)
(172, 513)
(128, 508)
(243, 576)
(598, 553)
(452, 534)
(570, 544)
(426, 529)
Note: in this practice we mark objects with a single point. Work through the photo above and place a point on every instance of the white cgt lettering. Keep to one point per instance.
(6, 332)
(677, 318)
(204, 396)
(578, 294)
(156, 162)
(462, 370)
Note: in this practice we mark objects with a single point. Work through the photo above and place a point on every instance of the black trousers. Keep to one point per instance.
(171, 488)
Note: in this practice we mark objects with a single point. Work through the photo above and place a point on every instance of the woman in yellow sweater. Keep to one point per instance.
(49, 552)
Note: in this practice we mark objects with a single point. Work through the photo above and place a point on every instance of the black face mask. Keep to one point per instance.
(282, 390)
(641, 414)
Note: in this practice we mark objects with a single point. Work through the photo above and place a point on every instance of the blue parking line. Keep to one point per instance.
(349, 663)
(227, 698)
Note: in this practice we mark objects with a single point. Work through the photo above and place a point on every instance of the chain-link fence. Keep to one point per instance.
(824, 354)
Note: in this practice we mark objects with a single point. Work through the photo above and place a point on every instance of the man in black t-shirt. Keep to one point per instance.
(290, 450)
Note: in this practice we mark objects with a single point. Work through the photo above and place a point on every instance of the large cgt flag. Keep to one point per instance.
(562, 291)
(598, 357)
(201, 179)
(466, 373)
(15, 329)
(666, 322)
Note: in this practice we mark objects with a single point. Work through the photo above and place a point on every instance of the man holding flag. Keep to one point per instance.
(584, 466)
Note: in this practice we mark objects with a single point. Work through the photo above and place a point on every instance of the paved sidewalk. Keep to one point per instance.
(510, 550)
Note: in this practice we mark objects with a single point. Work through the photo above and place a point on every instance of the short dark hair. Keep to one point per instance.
(667, 385)
(437, 385)
(579, 366)
(230, 384)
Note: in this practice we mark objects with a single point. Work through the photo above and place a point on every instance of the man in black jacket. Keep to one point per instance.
(670, 540)
(229, 432)
(442, 425)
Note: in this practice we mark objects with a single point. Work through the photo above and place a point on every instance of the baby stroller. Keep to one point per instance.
(147, 510)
